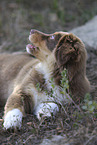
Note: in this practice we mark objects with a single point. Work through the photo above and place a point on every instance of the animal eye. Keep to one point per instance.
(52, 37)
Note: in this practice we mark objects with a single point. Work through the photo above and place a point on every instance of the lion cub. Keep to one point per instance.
(21, 74)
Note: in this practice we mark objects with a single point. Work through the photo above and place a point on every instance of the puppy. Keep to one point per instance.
(25, 81)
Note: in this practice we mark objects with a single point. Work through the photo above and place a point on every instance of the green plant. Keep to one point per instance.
(64, 84)
(89, 104)
(38, 87)
(58, 10)
(64, 80)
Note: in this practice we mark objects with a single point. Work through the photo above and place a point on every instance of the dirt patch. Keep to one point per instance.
(77, 126)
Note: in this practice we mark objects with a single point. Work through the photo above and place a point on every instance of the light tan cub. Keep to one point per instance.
(21, 73)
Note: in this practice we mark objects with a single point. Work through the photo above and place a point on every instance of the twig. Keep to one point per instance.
(28, 138)
(74, 103)
(90, 139)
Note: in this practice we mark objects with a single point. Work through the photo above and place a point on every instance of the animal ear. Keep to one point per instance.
(68, 49)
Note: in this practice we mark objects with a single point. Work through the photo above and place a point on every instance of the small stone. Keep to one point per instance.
(29, 123)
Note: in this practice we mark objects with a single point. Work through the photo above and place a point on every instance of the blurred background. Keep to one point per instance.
(18, 17)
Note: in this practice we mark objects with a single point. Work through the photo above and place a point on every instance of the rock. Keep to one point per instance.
(88, 33)
(61, 140)
(55, 140)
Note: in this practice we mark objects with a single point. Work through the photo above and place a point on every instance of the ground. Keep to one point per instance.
(17, 17)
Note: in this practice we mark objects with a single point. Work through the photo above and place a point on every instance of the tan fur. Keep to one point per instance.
(20, 73)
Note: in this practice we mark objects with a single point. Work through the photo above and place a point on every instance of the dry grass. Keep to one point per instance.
(78, 126)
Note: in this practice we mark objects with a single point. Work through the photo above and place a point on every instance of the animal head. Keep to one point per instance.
(45, 42)
(67, 48)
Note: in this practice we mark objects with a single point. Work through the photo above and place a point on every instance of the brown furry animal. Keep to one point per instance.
(24, 79)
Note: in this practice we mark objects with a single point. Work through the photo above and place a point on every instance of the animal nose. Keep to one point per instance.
(32, 31)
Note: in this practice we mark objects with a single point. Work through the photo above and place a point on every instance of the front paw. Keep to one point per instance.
(33, 50)
(13, 119)
(46, 110)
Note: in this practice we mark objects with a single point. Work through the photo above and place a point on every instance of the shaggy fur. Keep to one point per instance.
(24, 79)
